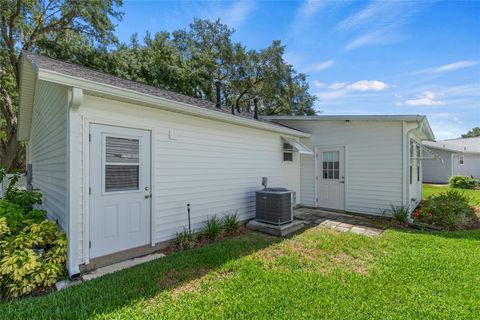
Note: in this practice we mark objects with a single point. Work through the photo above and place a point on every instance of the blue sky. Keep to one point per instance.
(361, 57)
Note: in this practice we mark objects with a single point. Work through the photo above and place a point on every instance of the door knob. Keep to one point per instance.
(148, 196)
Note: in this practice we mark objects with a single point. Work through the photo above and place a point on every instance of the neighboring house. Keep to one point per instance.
(118, 161)
(456, 157)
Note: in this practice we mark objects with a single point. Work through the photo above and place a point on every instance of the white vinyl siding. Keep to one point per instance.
(434, 171)
(48, 149)
(470, 166)
(373, 162)
(213, 166)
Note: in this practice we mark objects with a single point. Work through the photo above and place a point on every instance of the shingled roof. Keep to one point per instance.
(86, 73)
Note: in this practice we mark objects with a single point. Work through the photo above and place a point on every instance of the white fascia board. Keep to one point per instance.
(160, 102)
(407, 117)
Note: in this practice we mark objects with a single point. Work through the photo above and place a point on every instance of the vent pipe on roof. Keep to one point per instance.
(218, 85)
(255, 110)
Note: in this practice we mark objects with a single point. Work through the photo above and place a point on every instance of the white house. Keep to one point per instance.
(379, 161)
(458, 157)
(118, 161)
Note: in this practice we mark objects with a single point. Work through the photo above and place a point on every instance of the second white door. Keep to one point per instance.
(331, 178)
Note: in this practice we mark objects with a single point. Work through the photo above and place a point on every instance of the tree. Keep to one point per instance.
(26, 24)
(475, 132)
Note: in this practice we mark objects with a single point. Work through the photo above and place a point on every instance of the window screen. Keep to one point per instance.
(331, 165)
(121, 164)
(287, 152)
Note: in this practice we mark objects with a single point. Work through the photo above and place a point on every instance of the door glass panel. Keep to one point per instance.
(121, 150)
(331, 165)
(121, 178)
(121, 164)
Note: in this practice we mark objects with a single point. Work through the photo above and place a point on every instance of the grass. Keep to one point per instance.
(318, 274)
(429, 189)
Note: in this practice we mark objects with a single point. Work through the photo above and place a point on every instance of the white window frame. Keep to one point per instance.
(461, 160)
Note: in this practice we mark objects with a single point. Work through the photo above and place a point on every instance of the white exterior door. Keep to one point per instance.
(331, 178)
(120, 213)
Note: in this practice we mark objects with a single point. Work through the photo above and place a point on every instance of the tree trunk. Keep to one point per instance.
(10, 146)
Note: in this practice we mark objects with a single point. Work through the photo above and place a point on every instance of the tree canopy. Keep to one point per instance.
(25, 25)
(190, 61)
(475, 132)
(187, 61)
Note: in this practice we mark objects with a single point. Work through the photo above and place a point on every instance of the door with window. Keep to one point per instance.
(331, 178)
(120, 193)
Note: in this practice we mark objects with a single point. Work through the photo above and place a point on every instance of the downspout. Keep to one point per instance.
(74, 137)
(406, 166)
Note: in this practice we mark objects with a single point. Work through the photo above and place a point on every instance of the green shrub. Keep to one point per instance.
(448, 209)
(212, 228)
(462, 182)
(400, 213)
(231, 223)
(184, 240)
(33, 251)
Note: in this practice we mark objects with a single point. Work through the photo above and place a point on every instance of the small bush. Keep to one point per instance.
(213, 228)
(231, 223)
(33, 251)
(462, 182)
(184, 240)
(400, 213)
(449, 209)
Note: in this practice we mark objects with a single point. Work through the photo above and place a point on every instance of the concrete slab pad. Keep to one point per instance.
(329, 223)
(281, 231)
(341, 229)
(358, 230)
(120, 266)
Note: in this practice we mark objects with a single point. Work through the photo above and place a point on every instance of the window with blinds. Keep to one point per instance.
(122, 164)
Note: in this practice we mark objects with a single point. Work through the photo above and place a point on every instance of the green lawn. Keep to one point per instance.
(429, 189)
(316, 274)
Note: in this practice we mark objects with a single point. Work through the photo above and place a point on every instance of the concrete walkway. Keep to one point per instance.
(338, 221)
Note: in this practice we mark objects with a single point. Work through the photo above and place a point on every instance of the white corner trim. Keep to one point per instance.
(74, 139)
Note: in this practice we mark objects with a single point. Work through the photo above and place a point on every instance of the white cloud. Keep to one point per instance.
(340, 89)
(331, 95)
(448, 67)
(318, 84)
(455, 66)
(381, 22)
(426, 98)
(320, 66)
(446, 125)
(363, 16)
(309, 8)
(368, 85)
(337, 85)
(237, 13)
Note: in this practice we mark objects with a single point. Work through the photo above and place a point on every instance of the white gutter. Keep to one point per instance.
(405, 117)
(160, 102)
